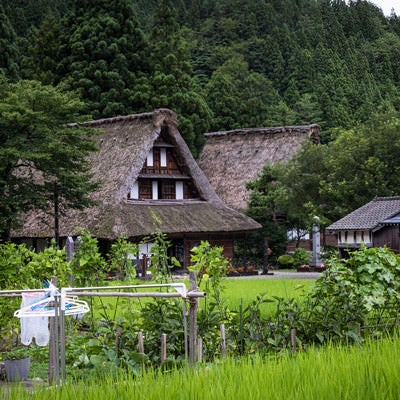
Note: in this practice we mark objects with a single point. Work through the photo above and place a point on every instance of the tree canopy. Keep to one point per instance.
(333, 179)
(40, 154)
(227, 64)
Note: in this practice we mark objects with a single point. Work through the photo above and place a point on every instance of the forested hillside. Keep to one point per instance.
(245, 63)
(224, 64)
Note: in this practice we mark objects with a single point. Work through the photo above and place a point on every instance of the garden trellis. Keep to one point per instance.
(65, 300)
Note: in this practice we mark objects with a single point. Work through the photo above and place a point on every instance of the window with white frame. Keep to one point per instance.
(163, 157)
(150, 159)
(179, 190)
(154, 190)
(134, 194)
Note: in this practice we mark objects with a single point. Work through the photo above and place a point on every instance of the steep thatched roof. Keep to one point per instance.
(124, 143)
(232, 158)
(370, 216)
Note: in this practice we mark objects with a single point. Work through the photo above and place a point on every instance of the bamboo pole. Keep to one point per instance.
(194, 294)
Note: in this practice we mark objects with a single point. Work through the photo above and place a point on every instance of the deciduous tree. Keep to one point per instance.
(41, 155)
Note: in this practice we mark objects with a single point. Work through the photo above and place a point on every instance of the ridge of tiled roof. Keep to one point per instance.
(370, 215)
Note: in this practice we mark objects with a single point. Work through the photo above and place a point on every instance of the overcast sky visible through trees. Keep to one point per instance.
(387, 5)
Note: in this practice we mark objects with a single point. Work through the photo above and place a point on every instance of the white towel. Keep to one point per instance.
(34, 327)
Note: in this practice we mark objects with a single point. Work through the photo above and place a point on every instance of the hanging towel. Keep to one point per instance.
(34, 327)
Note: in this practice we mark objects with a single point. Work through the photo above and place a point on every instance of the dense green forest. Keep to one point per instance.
(224, 64)
(221, 64)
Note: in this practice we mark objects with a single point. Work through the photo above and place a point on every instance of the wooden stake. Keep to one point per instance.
(163, 347)
(199, 349)
(223, 340)
(140, 342)
(293, 339)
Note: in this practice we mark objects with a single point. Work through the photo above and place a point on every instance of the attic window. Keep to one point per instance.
(150, 159)
(163, 157)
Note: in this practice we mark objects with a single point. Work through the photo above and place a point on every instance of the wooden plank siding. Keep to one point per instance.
(388, 236)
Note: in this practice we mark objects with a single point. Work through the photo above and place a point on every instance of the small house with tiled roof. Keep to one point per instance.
(149, 182)
(375, 224)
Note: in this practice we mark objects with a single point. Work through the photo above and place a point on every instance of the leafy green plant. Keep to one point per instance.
(301, 257)
(119, 256)
(88, 266)
(286, 261)
(15, 272)
(211, 266)
(52, 261)
(160, 263)
(16, 353)
(164, 316)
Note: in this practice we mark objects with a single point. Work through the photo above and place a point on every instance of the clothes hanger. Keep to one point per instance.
(45, 307)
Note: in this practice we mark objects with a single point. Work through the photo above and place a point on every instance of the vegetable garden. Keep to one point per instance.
(354, 302)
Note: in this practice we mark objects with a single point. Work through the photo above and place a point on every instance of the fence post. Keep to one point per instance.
(194, 304)
(163, 347)
(293, 339)
(223, 340)
(199, 349)
(140, 342)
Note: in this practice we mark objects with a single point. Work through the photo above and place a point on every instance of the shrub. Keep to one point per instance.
(301, 257)
(286, 260)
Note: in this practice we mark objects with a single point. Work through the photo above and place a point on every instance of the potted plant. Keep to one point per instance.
(16, 363)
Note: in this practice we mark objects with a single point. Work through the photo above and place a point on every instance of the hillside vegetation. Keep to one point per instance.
(225, 64)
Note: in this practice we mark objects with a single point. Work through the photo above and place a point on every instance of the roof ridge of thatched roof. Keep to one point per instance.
(158, 116)
(231, 158)
(266, 130)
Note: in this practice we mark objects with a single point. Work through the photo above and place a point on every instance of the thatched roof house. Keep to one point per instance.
(150, 182)
(375, 224)
(232, 158)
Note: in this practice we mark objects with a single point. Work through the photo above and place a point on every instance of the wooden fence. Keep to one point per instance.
(57, 370)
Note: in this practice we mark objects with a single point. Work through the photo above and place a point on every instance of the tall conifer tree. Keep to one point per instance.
(106, 56)
(8, 49)
(171, 78)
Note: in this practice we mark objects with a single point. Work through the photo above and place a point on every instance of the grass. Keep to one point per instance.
(236, 292)
(356, 373)
(244, 291)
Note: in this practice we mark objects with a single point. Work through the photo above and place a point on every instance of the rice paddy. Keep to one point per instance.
(367, 372)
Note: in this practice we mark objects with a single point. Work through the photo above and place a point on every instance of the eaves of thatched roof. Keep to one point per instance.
(124, 143)
(137, 220)
(232, 158)
(370, 216)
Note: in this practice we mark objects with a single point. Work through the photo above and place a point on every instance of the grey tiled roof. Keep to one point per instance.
(369, 215)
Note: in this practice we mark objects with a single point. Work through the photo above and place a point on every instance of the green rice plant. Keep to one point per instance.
(335, 372)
